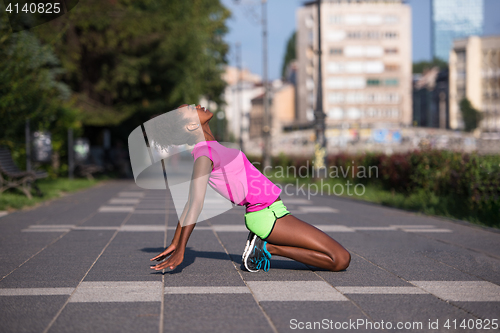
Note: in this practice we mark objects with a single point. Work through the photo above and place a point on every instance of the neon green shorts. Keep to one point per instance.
(262, 221)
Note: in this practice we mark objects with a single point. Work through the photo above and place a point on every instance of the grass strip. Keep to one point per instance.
(14, 199)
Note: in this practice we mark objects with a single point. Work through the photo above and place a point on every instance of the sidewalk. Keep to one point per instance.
(81, 264)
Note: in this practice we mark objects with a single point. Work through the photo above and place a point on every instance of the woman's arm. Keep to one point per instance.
(175, 240)
(197, 190)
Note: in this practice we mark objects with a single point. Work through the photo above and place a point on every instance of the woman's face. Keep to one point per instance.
(203, 115)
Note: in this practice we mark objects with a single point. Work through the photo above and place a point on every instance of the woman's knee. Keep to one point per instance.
(341, 261)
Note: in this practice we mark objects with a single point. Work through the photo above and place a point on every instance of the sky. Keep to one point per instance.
(245, 28)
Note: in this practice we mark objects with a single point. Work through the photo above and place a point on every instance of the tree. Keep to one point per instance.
(133, 59)
(290, 53)
(422, 66)
(29, 84)
(470, 115)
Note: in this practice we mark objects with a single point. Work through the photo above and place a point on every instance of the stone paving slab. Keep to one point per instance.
(73, 266)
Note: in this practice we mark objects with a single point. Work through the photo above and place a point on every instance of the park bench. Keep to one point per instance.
(86, 170)
(12, 177)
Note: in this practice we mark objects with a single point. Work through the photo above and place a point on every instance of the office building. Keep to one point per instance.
(454, 19)
(475, 75)
(366, 63)
(430, 99)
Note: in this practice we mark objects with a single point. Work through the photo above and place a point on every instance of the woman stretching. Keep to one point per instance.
(273, 230)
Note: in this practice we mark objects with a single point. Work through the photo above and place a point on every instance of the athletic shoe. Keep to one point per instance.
(250, 240)
(257, 257)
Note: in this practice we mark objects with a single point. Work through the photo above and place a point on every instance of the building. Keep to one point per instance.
(242, 87)
(430, 99)
(366, 63)
(475, 75)
(454, 19)
(282, 105)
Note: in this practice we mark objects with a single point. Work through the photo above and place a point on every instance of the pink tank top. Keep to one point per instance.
(235, 178)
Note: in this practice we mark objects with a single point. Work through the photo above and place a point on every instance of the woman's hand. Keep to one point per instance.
(169, 250)
(175, 259)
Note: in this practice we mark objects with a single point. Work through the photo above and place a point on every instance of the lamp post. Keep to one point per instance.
(319, 114)
(239, 89)
(266, 129)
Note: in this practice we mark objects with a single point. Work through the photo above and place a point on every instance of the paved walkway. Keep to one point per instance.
(81, 264)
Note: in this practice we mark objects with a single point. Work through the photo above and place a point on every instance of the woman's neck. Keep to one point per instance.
(207, 132)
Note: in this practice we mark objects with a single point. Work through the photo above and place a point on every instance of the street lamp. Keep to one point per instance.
(239, 89)
(266, 129)
(319, 114)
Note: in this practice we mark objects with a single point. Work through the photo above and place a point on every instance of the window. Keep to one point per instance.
(310, 114)
(356, 83)
(335, 35)
(310, 84)
(354, 35)
(355, 98)
(309, 53)
(335, 83)
(374, 51)
(335, 19)
(334, 67)
(311, 98)
(391, 82)
(392, 98)
(354, 19)
(372, 35)
(391, 50)
(374, 67)
(354, 51)
(309, 22)
(354, 67)
(310, 37)
(335, 51)
(373, 82)
(341, 83)
(354, 113)
(373, 19)
(363, 51)
(336, 98)
(392, 67)
(336, 113)
(391, 35)
(391, 19)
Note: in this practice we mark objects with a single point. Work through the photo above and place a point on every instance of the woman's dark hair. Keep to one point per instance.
(169, 129)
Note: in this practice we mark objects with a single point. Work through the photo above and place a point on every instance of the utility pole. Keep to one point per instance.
(266, 129)
(319, 115)
(240, 92)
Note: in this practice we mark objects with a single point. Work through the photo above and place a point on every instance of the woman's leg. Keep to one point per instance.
(295, 239)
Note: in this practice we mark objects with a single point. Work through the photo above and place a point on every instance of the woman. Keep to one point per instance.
(273, 230)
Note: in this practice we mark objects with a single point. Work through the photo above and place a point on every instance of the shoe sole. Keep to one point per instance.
(251, 235)
(247, 246)
(246, 253)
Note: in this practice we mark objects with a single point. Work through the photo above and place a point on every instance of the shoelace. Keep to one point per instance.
(267, 264)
